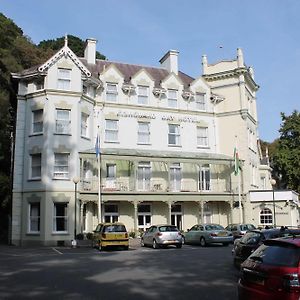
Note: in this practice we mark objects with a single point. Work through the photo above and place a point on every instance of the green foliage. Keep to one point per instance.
(76, 44)
(286, 162)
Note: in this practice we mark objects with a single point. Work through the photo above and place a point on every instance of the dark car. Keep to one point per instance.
(246, 245)
(272, 271)
(238, 230)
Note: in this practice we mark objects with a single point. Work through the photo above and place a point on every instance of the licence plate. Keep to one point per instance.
(222, 234)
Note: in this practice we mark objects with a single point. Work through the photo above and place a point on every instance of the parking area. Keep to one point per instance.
(140, 273)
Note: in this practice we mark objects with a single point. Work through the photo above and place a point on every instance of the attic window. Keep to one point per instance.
(64, 79)
(111, 92)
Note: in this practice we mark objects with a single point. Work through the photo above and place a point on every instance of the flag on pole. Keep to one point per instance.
(236, 161)
(97, 146)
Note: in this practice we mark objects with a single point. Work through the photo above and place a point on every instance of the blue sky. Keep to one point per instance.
(141, 32)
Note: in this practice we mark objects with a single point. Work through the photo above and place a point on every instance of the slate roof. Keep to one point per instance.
(128, 71)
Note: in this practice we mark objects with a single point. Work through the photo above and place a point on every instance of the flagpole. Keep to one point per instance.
(98, 155)
(240, 200)
(99, 190)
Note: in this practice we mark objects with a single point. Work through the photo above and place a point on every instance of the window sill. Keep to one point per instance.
(178, 146)
(85, 138)
(147, 144)
(57, 133)
(60, 233)
(33, 233)
(203, 147)
(112, 142)
(64, 179)
(35, 179)
(35, 134)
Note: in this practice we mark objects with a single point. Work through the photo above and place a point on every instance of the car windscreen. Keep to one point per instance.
(277, 255)
(245, 227)
(114, 228)
(214, 227)
(167, 228)
(251, 237)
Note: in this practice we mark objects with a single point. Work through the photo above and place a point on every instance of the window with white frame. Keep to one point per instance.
(63, 121)
(111, 130)
(39, 84)
(143, 133)
(200, 101)
(84, 124)
(204, 178)
(64, 79)
(60, 217)
(144, 176)
(143, 94)
(174, 135)
(36, 166)
(266, 217)
(175, 177)
(111, 92)
(263, 182)
(111, 213)
(111, 170)
(144, 216)
(202, 136)
(172, 98)
(34, 217)
(37, 121)
(176, 216)
(61, 165)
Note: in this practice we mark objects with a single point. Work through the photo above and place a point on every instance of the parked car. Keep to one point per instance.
(162, 236)
(204, 234)
(238, 230)
(111, 235)
(272, 271)
(246, 245)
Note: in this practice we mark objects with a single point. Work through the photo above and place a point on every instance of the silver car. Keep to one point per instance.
(204, 234)
(162, 236)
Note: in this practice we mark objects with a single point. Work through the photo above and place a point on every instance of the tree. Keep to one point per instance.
(76, 44)
(286, 160)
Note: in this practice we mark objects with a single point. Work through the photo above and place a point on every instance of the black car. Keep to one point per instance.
(244, 246)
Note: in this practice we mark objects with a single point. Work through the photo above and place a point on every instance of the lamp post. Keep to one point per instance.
(75, 180)
(273, 183)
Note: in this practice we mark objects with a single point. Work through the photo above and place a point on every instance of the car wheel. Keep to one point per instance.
(225, 244)
(155, 245)
(202, 242)
(126, 247)
(142, 243)
(179, 246)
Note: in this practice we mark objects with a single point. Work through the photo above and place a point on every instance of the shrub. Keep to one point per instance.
(89, 235)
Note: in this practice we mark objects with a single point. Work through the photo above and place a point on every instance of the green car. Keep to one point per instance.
(205, 234)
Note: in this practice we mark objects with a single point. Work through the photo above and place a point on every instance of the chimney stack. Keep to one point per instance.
(240, 57)
(90, 51)
(204, 64)
(170, 61)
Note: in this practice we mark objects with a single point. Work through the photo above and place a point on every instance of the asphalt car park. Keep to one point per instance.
(138, 273)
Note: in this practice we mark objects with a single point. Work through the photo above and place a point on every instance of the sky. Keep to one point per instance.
(142, 31)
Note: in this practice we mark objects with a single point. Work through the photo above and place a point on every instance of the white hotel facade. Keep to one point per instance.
(166, 143)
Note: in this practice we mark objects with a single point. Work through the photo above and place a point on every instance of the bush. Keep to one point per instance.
(79, 236)
(132, 234)
(89, 235)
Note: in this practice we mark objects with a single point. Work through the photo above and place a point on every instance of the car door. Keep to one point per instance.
(191, 236)
(148, 236)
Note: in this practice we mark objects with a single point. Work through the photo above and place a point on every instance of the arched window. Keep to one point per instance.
(266, 217)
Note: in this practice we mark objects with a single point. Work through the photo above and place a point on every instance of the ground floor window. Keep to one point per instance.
(266, 217)
(60, 217)
(144, 216)
(111, 213)
(34, 217)
(176, 216)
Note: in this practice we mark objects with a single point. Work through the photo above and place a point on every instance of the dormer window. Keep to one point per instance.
(200, 101)
(64, 79)
(143, 94)
(111, 92)
(172, 98)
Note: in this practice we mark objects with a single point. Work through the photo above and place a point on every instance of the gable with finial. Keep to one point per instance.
(66, 52)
